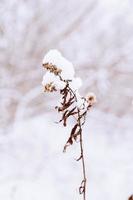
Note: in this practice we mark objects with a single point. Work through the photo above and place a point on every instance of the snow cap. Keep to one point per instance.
(55, 57)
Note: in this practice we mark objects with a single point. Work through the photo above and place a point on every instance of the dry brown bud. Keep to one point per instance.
(91, 98)
(52, 68)
(49, 87)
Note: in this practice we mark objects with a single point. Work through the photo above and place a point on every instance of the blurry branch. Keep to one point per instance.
(73, 25)
(23, 104)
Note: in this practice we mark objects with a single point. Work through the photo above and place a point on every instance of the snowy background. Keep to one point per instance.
(97, 37)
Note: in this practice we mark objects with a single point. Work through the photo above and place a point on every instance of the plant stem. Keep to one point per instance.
(82, 157)
(80, 124)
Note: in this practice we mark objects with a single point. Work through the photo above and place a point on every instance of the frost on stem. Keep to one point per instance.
(60, 76)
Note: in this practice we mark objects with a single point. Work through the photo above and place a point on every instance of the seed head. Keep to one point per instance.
(49, 87)
(52, 68)
(91, 98)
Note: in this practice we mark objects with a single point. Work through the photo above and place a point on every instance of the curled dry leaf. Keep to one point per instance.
(82, 187)
(71, 138)
(79, 158)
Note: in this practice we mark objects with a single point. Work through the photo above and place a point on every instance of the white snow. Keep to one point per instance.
(54, 57)
(50, 77)
(33, 166)
(76, 83)
(80, 100)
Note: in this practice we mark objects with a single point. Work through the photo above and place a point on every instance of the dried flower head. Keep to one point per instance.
(49, 87)
(56, 59)
(91, 98)
(52, 68)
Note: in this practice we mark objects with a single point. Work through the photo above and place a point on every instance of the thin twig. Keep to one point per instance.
(82, 156)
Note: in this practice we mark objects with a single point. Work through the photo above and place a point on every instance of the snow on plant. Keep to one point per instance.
(60, 77)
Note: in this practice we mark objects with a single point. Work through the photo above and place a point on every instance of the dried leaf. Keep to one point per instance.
(64, 118)
(66, 115)
(69, 142)
(65, 106)
(74, 129)
(71, 112)
(76, 135)
(82, 187)
(79, 157)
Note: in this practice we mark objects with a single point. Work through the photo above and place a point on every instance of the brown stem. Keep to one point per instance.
(82, 189)
(81, 150)
(82, 157)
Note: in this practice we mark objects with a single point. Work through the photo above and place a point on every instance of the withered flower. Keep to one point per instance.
(49, 87)
(52, 68)
(91, 98)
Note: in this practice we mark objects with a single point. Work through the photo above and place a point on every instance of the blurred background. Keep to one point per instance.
(97, 37)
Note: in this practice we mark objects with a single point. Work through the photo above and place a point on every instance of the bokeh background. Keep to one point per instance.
(97, 37)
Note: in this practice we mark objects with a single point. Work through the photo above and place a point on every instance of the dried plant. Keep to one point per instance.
(131, 197)
(72, 105)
